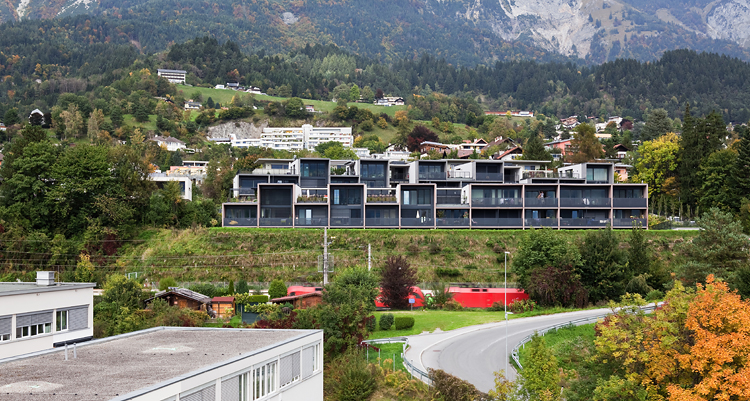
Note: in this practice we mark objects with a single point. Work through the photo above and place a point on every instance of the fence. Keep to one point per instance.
(413, 370)
(576, 322)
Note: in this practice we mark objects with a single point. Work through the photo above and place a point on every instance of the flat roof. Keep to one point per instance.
(30, 288)
(129, 363)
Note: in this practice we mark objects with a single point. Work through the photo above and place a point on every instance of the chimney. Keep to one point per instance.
(44, 279)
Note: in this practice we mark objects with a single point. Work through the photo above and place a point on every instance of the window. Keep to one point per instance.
(289, 369)
(417, 197)
(61, 320)
(628, 193)
(264, 380)
(315, 169)
(310, 360)
(347, 196)
(5, 328)
(33, 324)
(596, 174)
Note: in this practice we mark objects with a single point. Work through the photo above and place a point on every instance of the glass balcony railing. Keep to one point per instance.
(629, 222)
(452, 222)
(346, 222)
(311, 222)
(585, 202)
(489, 177)
(496, 222)
(417, 222)
(461, 175)
(382, 196)
(630, 202)
(585, 222)
(432, 176)
(381, 222)
(552, 222)
(244, 194)
(244, 222)
(275, 222)
(499, 202)
(541, 202)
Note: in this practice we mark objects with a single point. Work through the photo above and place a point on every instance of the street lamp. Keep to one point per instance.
(506, 312)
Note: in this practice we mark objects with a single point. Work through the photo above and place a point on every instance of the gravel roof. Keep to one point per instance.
(26, 288)
(109, 368)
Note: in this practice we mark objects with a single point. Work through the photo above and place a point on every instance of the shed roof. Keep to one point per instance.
(222, 299)
(183, 292)
(295, 297)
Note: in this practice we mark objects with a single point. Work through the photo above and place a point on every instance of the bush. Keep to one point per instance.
(247, 299)
(452, 305)
(496, 307)
(447, 272)
(434, 248)
(386, 321)
(351, 378)
(277, 289)
(450, 387)
(167, 282)
(654, 295)
(371, 323)
(404, 322)
(522, 305)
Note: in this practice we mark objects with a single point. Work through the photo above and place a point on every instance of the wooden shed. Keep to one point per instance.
(223, 306)
(301, 301)
(184, 298)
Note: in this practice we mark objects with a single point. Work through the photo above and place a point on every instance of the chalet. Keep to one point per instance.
(233, 85)
(172, 144)
(511, 154)
(570, 122)
(500, 141)
(253, 90)
(301, 301)
(427, 146)
(223, 306)
(478, 144)
(184, 298)
(191, 105)
(389, 101)
(310, 108)
(622, 151)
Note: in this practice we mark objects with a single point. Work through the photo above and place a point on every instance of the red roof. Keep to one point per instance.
(300, 296)
(222, 299)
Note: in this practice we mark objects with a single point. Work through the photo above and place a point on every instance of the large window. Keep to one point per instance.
(61, 320)
(576, 193)
(33, 324)
(5, 328)
(490, 193)
(598, 174)
(380, 213)
(315, 169)
(369, 170)
(240, 213)
(417, 196)
(628, 193)
(276, 197)
(264, 380)
(347, 196)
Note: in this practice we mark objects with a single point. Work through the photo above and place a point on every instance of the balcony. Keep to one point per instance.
(399, 178)
(382, 196)
(381, 222)
(245, 222)
(585, 202)
(541, 222)
(459, 175)
(449, 197)
(639, 203)
(629, 222)
(526, 174)
(432, 176)
(489, 177)
(418, 222)
(273, 171)
(275, 222)
(312, 199)
(311, 222)
(346, 222)
(541, 202)
(498, 202)
(244, 195)
(446, 222)
(585, 222)
(496, 222)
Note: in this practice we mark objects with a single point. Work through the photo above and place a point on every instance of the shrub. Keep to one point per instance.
(638, 285)
(434, 248)
(470, 267)
(351, 378)
(450, 387)
(404, 322)
(371, 323)
(386, 321)
(496, 307)
(452, 305)
(654, 295)
(247, 299)
(167, 282)
(447, 272)
(522, 305)
(277, 289)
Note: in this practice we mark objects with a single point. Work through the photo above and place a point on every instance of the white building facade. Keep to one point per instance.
(297, 138)
(173, 76)
(42, 315)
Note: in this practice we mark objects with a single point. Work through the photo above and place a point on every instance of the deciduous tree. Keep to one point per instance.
(585, 145)
(397, 280)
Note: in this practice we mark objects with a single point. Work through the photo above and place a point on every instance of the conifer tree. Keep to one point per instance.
(535, 150)
(691, 150)
(741, 171)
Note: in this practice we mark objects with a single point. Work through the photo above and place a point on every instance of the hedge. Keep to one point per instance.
(247, 299)
(386, 321)
(404, 322)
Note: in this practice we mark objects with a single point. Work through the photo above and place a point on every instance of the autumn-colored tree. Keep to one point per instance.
(658, 164)
(420, 134)
(585, 145)
(397, 280)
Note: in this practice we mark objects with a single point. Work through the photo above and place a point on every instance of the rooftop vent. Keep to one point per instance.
(45, 278)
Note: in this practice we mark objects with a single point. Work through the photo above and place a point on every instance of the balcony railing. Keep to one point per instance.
(541, 202)
(311, 222)
(400, 178)
(244, 194)
(552, 222)
(499, 202)
(418, 222)
(489, 177)
(244, 222)
(312, 199)
(449, 197)
(585, 222)
(275, 222)
(273, 171)
(452, 222)
(629, 222)
(630, 202)
(381, 222)
(465, 175)
(382, 196)
(432, 176)
(496, 222)
(346, 222)
(585, 202)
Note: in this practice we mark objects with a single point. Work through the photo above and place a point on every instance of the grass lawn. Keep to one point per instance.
(429, 320)
(566, 343)
(128, 119)
(387, 351)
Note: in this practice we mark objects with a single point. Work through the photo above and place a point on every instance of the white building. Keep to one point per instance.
(175, 363)
(173, 76)
(172, 144)
(293, 138)
(191, 105)
(185, 181)
(45, 314)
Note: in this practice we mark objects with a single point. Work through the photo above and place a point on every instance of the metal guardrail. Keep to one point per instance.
(576, 322)
(413, 370)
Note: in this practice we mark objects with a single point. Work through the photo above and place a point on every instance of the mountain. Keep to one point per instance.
(463, 31)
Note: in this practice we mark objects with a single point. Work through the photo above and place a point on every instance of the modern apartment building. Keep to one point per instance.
(44, 314)
(297, 138)
(173, 76)
(484, 194)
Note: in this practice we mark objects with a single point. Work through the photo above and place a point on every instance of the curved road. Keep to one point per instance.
(474, 353)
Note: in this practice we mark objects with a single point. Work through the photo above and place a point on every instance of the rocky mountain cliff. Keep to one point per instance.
(462, 31)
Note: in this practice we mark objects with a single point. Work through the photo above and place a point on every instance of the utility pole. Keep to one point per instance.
(325, 255)
(506, 312)
(369, 257)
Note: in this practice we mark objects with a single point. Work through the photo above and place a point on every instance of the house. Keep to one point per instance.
(477, 144)
(173, 76)
(2, 127)
(253, 90)
(362, 153)
(191, 105)
(389, 101)
(232, 85)
(301, 301)
(562, 145)
(570, 122)
(184, 298)
(512, 113)
(310, 108)
(622, 171)
(219, 87)
(172, 144)
(427, 146)
(511, 154)
(44, 314)
(621, 150)
(223, 306)
(297, 138)
(171, 363)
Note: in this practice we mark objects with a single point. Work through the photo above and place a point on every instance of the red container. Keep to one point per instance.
(485, 297)
(416, 295)
(299, 289)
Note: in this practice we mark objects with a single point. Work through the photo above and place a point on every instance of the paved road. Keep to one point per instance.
(474, 353)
